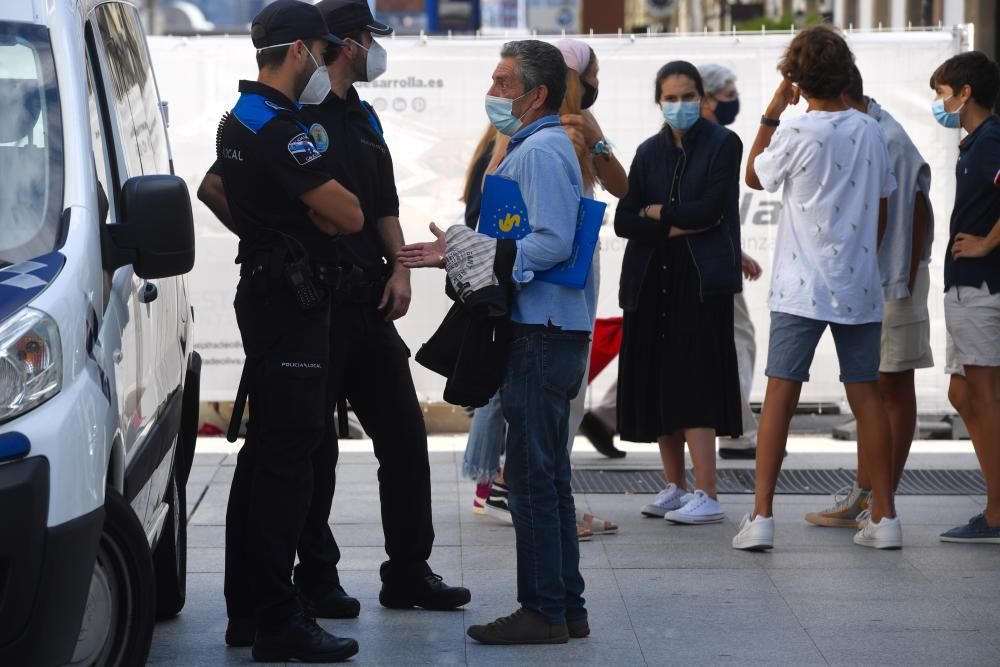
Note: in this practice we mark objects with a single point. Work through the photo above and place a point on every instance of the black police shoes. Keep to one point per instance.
(602, 438)
(300, 638)
(241, 631)
(329, 601)
(524, 626)
(427, 592)
(578, 629)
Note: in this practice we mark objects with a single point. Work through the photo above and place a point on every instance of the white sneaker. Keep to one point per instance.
(700, 508)
(886, 534)
(668, 499)
(756, 534)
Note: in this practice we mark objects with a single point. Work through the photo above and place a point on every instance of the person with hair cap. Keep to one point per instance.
(721, 104)
(598, 164)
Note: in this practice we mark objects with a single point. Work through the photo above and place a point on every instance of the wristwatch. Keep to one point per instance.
(769, 122)
(602, 148)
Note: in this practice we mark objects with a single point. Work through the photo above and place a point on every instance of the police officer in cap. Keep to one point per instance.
(370, 366)
(369, 361)
(283, 203)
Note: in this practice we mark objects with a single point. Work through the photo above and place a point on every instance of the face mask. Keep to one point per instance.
(589, 95)
(681, 115)
(317, 89)
(949, 119)
(315, 73)
(376, 60)
(501, 113)
(725, 112)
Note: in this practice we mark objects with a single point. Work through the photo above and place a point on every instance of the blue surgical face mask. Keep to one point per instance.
(501, 114)
(681, 115)
(949, 119)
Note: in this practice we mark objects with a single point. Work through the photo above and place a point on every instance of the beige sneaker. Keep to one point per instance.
(848, 504)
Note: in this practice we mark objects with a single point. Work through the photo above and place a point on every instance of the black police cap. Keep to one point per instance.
(345, 17)
(287, 21)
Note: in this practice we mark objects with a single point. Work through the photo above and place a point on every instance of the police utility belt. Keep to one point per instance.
(280, 268)
(350, 283)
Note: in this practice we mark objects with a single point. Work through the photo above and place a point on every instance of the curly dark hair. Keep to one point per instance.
(818, 61)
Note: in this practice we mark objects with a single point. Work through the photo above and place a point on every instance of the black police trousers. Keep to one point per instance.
(272, 490)
(370, 367)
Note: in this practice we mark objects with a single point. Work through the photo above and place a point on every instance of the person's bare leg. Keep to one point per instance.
(701, 444)
(672, 456)
(875, 443)
(862, 477)
(958, 396)
(900, 400)
(780, 400)
(984, 397)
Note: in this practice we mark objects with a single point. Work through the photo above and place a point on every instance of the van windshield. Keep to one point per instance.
(31, 144)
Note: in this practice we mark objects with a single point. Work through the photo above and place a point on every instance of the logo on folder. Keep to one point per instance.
(504, 215)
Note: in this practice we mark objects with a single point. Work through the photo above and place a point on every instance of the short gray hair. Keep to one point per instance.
(716, 77)
(539, 63)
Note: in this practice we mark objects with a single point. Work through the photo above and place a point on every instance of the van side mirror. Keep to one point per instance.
(156, 231)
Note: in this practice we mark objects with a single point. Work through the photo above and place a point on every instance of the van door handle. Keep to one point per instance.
(148, 293)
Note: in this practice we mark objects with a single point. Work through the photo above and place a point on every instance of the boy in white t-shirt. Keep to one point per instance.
(834, 168)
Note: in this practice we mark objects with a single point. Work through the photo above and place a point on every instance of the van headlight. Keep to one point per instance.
(30, 362)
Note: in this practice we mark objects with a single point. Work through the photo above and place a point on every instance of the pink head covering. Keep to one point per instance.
(575, 53)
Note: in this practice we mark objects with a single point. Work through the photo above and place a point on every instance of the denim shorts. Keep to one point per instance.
(794, 340)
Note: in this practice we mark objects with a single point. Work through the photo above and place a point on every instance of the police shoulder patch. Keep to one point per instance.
(320, 137)
(303, 149)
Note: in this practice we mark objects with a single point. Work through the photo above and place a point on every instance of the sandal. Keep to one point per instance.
(595, 525)
(584, 534)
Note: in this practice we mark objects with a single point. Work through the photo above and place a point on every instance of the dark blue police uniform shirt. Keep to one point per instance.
(268, 159)
(349, 134)
(977, 206)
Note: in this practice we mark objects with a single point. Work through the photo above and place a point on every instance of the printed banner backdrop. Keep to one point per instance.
(431, 104)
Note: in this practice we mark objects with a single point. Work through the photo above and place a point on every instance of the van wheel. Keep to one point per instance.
(117, 627)
(170, 557)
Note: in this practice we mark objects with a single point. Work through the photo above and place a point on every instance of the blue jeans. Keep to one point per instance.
(545, 368)
(486, 440)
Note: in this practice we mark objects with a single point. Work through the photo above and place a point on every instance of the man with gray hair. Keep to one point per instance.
(548, 355)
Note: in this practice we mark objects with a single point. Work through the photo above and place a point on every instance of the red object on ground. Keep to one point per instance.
(605, 346)
(210, 430)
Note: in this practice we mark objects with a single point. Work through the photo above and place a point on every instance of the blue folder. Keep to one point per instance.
(503, 215)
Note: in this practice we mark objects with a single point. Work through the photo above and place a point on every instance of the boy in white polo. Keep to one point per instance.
(833, 166)
(903, 259)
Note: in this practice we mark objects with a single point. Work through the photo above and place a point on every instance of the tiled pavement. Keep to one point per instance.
(657, 594)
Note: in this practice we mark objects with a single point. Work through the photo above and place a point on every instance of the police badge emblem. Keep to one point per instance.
(320, 137)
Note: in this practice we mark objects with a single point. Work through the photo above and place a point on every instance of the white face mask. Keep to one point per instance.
(376, 60)
(313, 83)
(317, 89)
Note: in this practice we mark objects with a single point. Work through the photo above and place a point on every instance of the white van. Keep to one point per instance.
(98, 381)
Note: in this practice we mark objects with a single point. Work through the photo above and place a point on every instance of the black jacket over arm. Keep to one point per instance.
(708, 199)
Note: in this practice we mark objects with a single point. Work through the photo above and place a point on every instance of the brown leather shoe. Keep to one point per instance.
(524, 626)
